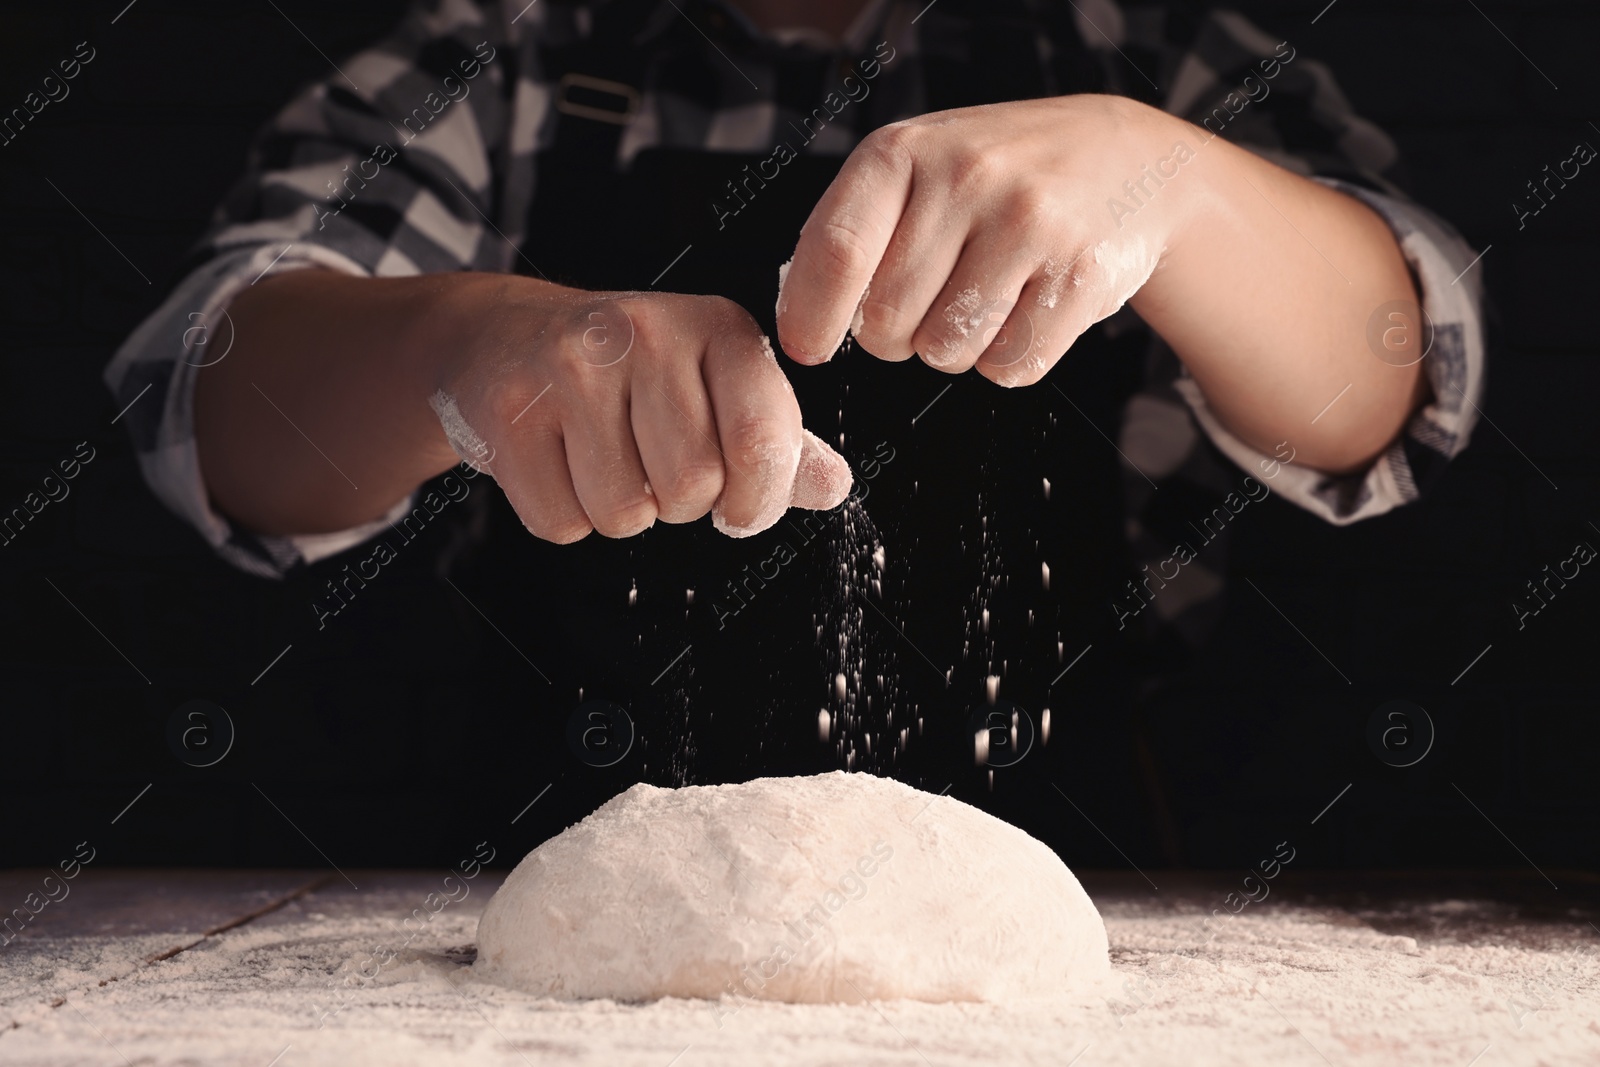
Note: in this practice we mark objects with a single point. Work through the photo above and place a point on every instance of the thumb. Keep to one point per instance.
(823, 479)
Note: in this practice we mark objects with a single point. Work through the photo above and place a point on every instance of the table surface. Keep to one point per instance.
(1332, 968)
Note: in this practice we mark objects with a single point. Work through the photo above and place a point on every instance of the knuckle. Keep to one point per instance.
(890, 146)
(644, 310)
(1085, 270)
(1029, 208)
(643, 326)
(725, 309)
(886, 329)
(1028, 371)
(950, 336)
(565, 356)
(943, 356)
(691, 485)
(844, 245)
(561, 531)
(751, 441)
(505, 400)
(569, 533)
(728, 318)
(975, 171)
(624, 518)
(937, 351)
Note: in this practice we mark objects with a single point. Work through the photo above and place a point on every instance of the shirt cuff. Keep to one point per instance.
(1455, 364)
(189, 332)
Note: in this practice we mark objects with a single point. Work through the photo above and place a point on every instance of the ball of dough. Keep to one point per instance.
(831, 888)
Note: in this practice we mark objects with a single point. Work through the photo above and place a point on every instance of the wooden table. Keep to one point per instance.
(1341, 968)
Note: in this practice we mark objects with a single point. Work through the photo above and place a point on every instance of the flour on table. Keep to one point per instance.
(835, 888)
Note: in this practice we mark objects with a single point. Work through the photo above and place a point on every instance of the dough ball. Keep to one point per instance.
(831, 888)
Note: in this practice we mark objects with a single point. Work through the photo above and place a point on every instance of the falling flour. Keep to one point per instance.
(979, 644)
(835, 888)
(869, 726)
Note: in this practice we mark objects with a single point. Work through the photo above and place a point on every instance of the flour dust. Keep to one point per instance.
(862, 712)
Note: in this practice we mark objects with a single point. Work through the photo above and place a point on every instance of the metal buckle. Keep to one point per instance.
(627, 93)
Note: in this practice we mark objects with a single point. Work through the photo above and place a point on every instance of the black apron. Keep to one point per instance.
(960, 505)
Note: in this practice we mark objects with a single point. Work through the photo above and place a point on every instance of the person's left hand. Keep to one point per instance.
(965, 220)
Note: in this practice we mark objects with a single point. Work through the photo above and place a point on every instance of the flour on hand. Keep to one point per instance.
(464, 440)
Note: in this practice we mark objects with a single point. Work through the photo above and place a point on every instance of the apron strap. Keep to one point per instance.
(598, 79)
(597, 82)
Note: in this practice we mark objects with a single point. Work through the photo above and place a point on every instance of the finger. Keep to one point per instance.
(1032, 340)
(1049, 316)
(841, 245)
(677, 438)
(823, 479)
(921, 255)
(531, 469)
(1061, 302)
(607, 473)
(758, 429)
(973, 306)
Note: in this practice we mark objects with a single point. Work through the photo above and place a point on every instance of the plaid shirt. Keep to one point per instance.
(455, 96)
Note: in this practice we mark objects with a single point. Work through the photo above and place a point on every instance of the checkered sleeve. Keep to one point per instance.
(401, 162)
(1226, 75)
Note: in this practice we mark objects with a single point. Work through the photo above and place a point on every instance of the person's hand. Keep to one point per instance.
(607, 411)
(988, 234)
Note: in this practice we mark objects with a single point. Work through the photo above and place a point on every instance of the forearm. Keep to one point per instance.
(318, 418)
(1265, 294)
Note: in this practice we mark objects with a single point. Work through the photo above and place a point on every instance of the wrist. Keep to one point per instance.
(1176, 176)
(453, 329)
(1191, 211)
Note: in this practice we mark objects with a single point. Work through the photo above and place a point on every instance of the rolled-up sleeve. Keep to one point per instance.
(384, 169)
(1454, 364)
(1266, 96)
(189, 332)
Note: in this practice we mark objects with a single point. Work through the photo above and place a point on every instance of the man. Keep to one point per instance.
(360, 265)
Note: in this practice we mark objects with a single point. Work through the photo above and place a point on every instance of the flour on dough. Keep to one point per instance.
(831, 888)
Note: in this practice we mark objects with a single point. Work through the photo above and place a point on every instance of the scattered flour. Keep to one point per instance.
(1055, 282)
(1120, 269)
(1282, 983)
(964, 315)
(871, 722)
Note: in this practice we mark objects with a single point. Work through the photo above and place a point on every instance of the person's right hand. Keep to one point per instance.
(607, 411)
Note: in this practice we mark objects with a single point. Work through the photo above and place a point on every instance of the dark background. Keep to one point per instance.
(411, 728)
